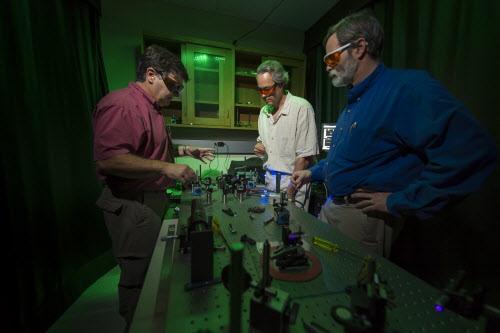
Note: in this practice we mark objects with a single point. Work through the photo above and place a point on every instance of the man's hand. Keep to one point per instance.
(371, 202)
(201, 154)
(259, 149)
(300, 178)
(179, 172)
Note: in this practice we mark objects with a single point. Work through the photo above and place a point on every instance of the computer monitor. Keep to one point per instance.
(326, 136)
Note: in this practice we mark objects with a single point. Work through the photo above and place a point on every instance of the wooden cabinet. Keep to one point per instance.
(221, 90)
(247, 102)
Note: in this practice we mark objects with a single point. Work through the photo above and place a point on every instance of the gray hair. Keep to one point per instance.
(275, 68)
(359, 25)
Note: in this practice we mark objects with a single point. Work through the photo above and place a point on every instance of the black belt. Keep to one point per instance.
(343, 200)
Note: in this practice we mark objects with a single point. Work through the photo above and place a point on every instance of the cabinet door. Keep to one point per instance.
(211, 85)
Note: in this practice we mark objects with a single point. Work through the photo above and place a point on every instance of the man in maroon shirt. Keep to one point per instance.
(135, 160)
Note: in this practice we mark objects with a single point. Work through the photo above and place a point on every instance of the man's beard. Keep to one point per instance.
(345, 76)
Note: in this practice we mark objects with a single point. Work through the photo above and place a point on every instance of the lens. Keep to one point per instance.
(332, 59)
(173, 86)
(266, 90)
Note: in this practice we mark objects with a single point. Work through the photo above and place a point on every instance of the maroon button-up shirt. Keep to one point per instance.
(129, 121)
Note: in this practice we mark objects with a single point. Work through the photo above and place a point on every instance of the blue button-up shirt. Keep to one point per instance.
(403, 132)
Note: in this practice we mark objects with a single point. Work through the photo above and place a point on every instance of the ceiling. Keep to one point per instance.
(295, 14)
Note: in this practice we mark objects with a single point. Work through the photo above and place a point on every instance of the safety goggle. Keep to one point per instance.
(174, 87)
(332, 59)
(266, 91)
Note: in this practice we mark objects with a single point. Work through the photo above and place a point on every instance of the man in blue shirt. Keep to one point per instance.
(403, 145)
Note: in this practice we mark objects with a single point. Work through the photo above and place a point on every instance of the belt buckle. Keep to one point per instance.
(347, 199)
(342, 200)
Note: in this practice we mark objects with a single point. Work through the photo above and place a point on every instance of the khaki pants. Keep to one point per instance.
(374, 235)
(133, 223)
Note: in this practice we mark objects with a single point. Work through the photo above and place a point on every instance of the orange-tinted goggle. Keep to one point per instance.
(332, 59)
(266, 91)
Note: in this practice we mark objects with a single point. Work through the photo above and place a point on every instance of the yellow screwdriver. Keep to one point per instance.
(324, 244)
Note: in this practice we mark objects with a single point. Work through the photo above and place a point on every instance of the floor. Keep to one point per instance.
(95, 311)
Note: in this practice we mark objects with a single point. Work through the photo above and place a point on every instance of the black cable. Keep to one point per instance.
(218, 156)
(308, 192)
(259, 25)
(210, 162)
(306, 195)
(226, 164)
(302, 205)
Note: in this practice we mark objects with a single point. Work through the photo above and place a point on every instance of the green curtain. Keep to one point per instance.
(456, 41)
(54, 237)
